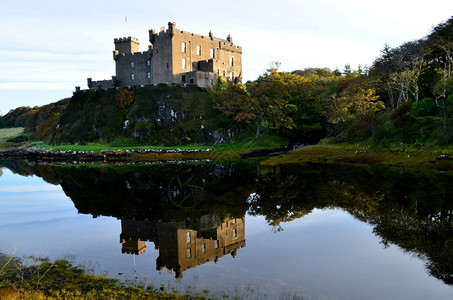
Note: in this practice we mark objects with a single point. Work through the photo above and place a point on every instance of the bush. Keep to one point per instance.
(424, 108)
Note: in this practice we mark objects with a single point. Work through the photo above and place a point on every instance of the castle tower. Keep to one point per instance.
(127, 45)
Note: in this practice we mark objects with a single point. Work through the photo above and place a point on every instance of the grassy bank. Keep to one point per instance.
(242, 143)
(36, 278)
(407, 156)
(402, 156)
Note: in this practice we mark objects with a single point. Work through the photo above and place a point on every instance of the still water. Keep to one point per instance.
(289, 232)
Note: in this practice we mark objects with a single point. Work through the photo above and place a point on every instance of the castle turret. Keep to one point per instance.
(230, 39)
(152, 36)
(171, 28)
(127, 45)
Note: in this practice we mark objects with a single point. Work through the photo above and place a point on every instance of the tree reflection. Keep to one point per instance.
(413, 211)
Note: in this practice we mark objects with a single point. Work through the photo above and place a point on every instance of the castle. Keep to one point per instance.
(174, 56)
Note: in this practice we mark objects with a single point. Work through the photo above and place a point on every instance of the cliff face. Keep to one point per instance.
(160, 115)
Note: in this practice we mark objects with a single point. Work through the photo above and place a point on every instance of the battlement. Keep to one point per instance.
(126, 39)
(227, 46)
(153, 33)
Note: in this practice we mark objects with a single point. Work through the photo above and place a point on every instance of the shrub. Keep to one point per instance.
(425, 107)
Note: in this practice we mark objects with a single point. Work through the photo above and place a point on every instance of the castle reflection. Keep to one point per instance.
(184, 244)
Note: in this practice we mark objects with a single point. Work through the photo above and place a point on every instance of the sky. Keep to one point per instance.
(48, 47)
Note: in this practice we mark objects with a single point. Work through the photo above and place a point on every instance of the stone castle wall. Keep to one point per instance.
(133, 68)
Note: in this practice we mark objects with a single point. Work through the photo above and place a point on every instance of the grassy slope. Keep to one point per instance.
(9, 133)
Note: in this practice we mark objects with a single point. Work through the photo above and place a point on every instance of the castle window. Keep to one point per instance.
(184, 65)
(189, 253)
(188, 237)
(231, 61)
(183, 47)
(203, 248)
(231, 76)
(216, 244)
(132, 64)
(198, 50)
(148, 63)
(212, 53)
(235, 233)
(132, 76)
(148, 75)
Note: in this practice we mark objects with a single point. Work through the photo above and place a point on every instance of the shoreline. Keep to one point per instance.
(104, 156)
(440, 160)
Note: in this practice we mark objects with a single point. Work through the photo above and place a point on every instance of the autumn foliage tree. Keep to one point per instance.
(235, 101)
(124, 99)
(357, 100)
(279, 101)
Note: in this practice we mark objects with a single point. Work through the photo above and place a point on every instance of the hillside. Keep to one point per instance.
(158, 115)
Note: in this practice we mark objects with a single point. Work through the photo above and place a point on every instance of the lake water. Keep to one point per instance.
(289, 232)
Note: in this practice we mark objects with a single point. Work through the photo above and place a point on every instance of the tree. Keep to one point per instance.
(273, 97)
(440, 43)
(283, 101)
(399, 70)
(124, 99)
(347, 70)
(262, 101)
(358, 99)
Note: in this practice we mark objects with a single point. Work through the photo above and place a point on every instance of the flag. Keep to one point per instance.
(125, 19)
